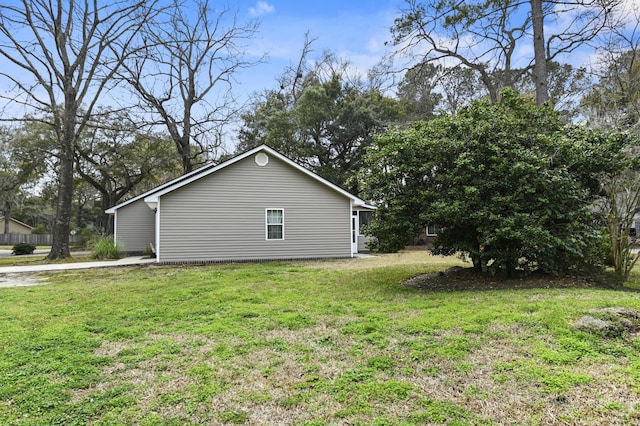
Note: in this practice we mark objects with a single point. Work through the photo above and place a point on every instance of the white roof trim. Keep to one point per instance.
(367, 206)
(113, 209)
(152, 196)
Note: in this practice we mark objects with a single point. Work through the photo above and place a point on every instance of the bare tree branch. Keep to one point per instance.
(184, 72)
(484, 35)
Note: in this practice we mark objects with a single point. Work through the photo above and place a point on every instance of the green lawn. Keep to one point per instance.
(308, 343)
(40, 259)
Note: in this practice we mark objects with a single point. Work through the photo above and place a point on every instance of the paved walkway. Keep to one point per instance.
(133, 260)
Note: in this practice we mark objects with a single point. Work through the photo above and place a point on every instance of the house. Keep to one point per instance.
(15, 226)
(259, 205)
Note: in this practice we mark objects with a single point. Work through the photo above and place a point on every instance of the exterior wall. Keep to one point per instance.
(15, 227)
(135, 226)
(221, 217)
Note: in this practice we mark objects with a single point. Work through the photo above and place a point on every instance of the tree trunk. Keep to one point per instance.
(107, 219)
(540, 66)
(60, 244)
(185, 154)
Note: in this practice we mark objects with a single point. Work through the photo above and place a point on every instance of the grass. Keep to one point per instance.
(308, 343)
(39, 259)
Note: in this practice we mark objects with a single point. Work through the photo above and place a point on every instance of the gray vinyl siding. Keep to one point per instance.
(222, 216)
(135, 226)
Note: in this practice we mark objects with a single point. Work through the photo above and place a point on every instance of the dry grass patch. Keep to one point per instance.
(415, 256)
(503, 382)
(321, 374)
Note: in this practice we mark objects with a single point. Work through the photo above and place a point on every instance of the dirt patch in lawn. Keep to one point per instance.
(467, 279)
(21, 280)
(377, 260)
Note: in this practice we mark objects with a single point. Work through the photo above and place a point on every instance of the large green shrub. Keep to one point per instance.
(104, 247)
(509, 184)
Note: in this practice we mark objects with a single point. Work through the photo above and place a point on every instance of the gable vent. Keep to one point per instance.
(262, 159)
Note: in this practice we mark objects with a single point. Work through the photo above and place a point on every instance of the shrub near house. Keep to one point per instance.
(509, 184)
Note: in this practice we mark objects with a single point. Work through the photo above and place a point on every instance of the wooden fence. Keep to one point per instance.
(36, 239)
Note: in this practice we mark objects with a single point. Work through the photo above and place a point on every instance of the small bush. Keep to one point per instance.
(40, 228)
(87, 235)
(104, 248)
(149, 251)
(23, 248)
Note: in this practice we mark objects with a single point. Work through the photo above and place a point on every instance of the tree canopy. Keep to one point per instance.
(614, 101)
(116, 160)
(322, 120)
(19, 166)
(487, 36)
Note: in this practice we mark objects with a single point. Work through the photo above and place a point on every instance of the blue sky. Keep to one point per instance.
(354, 29)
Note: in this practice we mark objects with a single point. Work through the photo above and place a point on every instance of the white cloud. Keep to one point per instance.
(262, 8)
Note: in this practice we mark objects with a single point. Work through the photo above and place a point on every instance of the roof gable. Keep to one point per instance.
(16, 221)
(153, 195)
(263, 148)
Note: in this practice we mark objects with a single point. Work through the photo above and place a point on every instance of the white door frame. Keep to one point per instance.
(355, 230)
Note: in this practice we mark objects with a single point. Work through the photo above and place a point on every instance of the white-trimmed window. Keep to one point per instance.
(433, 230)
(275, 224)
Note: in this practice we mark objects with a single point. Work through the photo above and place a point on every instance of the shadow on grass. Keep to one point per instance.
(459, 279)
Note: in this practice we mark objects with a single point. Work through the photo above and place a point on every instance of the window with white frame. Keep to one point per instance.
(275, 224)
(433, 230)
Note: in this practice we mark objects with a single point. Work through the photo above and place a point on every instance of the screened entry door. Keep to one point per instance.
(354, 232)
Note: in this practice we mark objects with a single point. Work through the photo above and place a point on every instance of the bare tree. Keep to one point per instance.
(539, 72)
(485, 35)
(185, 72)
(62, 56)
(613, 102)
(292, 81)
